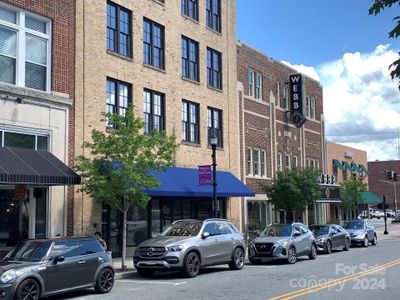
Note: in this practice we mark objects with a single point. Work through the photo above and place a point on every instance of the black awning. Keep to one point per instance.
(26, 166)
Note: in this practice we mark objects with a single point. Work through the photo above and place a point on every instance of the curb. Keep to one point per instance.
(123, 274)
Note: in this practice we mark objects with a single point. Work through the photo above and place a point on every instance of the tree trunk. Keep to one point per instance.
(123, 265)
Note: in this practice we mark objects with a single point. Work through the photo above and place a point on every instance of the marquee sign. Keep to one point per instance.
(297, 93)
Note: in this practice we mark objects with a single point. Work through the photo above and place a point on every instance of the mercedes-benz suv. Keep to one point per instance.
(189, 245)
(283, 241)
(45, 267)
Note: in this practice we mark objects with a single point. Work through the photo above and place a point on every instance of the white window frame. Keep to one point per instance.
(278, 95)
(288, 164)
(308, 106)
(257, 169)
(249, 162)
(251, 82)
(312, 107)
(21, 40)
(286, 96)
(263, 163)
(258, 86)
(279, 162)
(295, 161)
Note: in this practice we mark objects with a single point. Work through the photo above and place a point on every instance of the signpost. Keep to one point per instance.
(297, 93)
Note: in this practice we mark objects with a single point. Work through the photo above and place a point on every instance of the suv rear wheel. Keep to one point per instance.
(237, 259)
(192, 265)
(105, 281)
(28, 289)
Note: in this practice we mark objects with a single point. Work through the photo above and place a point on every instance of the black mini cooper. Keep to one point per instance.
(38, 268)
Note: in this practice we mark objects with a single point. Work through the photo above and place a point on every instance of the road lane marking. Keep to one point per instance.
(260, 266)
(155, 282)
(337, 281)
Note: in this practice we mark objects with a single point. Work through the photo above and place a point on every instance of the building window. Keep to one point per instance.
(249, 161)
(214, 125)
(263, 163)
(258, 93)
(190, 59)
(286, 97)
(250, 79)
(214, 68)
(279, 162)
(310, 107)
(24, 140)
(213, 11)
(119, 29)
(153, 111)
(118, 97)
(256, 162)
(278, 95)
(25, 49)
(190, 122)
(295, 162)
(190, 8)
(153, 44)
(287, 162)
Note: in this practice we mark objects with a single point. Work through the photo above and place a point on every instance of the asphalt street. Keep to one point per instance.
(361, 273)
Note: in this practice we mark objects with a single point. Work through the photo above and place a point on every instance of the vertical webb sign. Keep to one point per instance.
(297, 92)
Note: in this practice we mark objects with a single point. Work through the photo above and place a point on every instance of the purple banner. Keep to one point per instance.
(205, 175)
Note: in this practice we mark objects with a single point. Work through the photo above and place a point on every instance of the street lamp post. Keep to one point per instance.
(214, 142)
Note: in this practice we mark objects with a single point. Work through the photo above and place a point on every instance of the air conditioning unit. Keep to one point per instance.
(348, 154)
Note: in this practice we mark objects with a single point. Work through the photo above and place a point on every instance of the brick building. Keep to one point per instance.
(269, 142)
(175, 61)
(37, 57)
(343, 162)
(379, 184)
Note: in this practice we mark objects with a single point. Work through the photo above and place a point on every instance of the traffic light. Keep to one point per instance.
(394, 176)
(389, 175)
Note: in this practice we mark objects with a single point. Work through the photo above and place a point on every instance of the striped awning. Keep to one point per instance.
(27, 166)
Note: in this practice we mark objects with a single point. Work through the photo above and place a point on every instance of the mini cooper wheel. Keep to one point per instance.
(292, 255)
(237, 262)
(374, 241)
(192, 265)
(313, 253)
(105, 281)
(366, 241)
(28, 290)
(328, 249)
(346, 245)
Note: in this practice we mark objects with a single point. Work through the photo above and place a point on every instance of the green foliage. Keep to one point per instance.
(116, 170)
(351, 193)
(255, 224)
(376, 8)
(294, 189)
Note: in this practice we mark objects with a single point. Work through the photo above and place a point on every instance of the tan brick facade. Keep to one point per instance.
(95, 64)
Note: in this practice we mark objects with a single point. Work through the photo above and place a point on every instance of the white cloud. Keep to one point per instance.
(361, 102)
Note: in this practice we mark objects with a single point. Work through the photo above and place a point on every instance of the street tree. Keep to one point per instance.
(377, 7)
(293, 190)
(351, 194)
(116, 169)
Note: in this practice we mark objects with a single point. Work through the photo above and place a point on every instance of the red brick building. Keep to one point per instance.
(37, 59)
(269, 141)
(379, 185)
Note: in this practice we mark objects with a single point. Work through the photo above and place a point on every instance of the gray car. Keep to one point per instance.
(189, 245)
(330, 237)
(283, 241)
(41, 268)
(362, 232)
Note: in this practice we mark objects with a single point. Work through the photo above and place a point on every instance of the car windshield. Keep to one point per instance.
(183, 229)
(30, 250)
(319, 230)
(277, 230)
(353, 225)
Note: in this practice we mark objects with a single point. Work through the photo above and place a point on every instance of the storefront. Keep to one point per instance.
(179, 196)
(28, 178)
(326, 208)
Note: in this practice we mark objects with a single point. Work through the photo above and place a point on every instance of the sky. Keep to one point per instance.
(348, 51)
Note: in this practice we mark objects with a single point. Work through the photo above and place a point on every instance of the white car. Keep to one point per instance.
(390, 213)
(377, 214)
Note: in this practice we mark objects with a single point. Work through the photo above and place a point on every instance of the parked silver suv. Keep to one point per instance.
(283, 241)
(189, 245)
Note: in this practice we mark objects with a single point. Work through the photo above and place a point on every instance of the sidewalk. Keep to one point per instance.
(393, 232)
(123, 273)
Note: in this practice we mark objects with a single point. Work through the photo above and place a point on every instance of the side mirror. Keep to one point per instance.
(205, 235)
(332, 233)
(58, 259)
(297, 234)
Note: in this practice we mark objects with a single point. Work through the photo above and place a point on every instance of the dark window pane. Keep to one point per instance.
(66, 249)
(119, 32)
(153, 44)
(42, 143)
(35, 76)
(35, 24)
(19, 140)
(7, 73)
(90, 247)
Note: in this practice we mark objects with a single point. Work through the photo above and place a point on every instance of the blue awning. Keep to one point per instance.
(184, 182)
